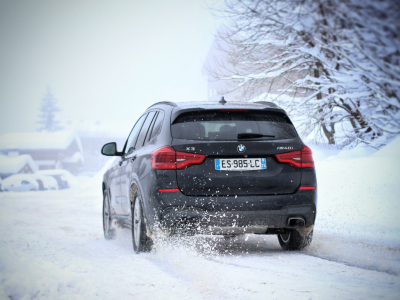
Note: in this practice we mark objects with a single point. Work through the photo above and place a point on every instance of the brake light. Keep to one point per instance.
(297, 159)
(306, 188)
(167, 158)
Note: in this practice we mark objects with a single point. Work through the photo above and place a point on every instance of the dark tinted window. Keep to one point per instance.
(130, 143)
(151, 127)
(157, 125)
(226, 125)
(145, 129)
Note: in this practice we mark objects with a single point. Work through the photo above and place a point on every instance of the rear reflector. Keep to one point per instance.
(167, 159)
(169, 190)
(297, 159)
(305, 188)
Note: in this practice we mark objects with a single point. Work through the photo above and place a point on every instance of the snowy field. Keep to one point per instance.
(52, 245)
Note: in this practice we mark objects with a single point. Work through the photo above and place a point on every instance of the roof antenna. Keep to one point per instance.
(222, 101)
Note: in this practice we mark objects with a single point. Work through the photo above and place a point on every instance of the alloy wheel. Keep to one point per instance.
(137, 222)
(285, 236)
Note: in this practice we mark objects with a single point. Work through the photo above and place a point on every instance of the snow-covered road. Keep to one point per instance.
(52, 247)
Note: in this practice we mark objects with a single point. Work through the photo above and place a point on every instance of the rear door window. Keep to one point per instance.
(157, 125)
(130, 143)
(227, 125)
(145, 129)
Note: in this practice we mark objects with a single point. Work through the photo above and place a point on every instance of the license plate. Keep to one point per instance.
(241, 164)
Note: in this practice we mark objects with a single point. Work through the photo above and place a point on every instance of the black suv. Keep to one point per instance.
(212, 168)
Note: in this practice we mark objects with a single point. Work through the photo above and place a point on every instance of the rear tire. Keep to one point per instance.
(291, 240)
(141, 243)
(109, 231)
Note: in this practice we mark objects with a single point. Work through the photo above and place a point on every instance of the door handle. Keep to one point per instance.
(133, 158)
(120, 163)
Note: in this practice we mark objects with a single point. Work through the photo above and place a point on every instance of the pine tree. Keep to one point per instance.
(48, 110)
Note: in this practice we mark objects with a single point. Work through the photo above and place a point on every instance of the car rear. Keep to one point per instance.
(237, 168)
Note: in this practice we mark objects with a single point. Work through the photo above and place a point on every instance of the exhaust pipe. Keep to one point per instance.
(296, 222)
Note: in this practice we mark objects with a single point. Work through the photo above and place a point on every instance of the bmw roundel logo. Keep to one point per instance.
(241, 148)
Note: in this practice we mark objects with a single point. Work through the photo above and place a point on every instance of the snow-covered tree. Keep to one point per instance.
(47, 112)
(342, 56)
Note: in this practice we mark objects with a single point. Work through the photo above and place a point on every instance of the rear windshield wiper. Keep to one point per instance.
(253, 135)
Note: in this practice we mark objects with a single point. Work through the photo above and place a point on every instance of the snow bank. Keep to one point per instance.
(355, 153)
(93, 186)
(390, 151)
(358, 211)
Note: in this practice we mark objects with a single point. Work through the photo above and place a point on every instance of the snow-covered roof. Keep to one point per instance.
(39, 140)
(13, 164)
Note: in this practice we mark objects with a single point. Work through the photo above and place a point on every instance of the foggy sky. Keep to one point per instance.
(106, 61)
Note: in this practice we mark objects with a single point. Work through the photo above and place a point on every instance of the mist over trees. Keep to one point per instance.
(47, 112)
(339, 61)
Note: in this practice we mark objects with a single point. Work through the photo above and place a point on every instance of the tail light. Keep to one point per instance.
(306, 188)
(169, 190)
(163, 159)
(167, 158)
(297, 159)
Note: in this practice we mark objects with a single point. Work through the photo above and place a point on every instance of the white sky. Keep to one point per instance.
(105, 60)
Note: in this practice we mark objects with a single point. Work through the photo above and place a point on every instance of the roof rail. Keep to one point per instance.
(163, 102)
(266, 103)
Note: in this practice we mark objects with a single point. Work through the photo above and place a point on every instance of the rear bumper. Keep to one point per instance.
(199, 218)
(170, 210)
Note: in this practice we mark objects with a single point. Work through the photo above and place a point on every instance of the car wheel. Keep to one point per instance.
(291, 240)
(141, 243)
(109, 231)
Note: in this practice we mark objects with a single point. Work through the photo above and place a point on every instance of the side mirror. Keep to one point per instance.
(110, 149)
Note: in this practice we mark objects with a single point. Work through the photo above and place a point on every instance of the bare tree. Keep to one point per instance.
(338, 60)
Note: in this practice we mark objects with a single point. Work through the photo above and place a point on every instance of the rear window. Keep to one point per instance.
(226, 125)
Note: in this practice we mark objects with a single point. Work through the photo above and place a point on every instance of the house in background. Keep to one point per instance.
(93, 135)
(21, 164)
(49, 150)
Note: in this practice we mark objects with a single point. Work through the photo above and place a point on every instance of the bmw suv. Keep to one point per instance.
(223, 168)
